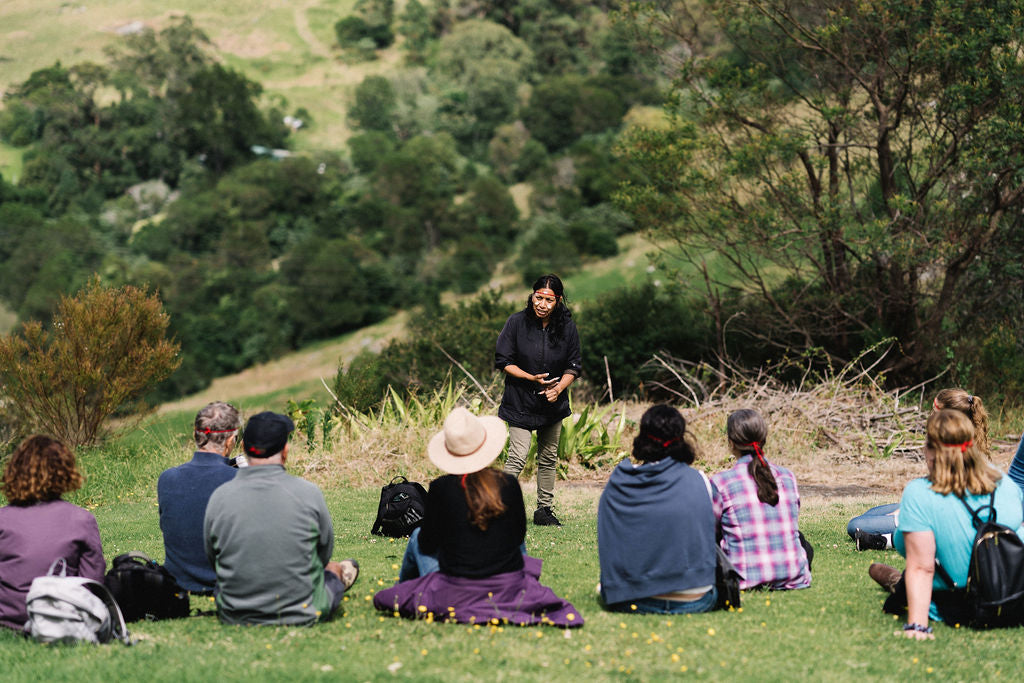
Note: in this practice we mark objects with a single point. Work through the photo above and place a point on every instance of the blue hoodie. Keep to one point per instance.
(655, 531)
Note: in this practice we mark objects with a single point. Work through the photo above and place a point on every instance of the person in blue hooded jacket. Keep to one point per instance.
(656, 524)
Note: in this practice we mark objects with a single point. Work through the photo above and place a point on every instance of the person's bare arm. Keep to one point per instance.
(919, 575)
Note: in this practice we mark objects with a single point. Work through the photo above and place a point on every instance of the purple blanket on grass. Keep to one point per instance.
(511, 598)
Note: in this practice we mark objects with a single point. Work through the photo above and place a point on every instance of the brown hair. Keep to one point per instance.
(959, 465)
(971, 406)
(748, 431)
(483, 496)
(40, 469)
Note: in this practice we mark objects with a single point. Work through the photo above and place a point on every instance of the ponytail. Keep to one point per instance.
(748, 431)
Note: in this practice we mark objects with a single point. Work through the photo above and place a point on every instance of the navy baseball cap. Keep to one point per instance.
(266, 434)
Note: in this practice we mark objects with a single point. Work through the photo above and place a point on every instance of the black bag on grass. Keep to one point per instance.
(403, 504)
(145, 589)
(727, 581)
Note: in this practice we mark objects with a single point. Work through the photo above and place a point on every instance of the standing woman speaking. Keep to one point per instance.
(539, 351)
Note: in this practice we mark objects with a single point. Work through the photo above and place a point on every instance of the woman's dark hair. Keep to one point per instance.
(483, 496)
(39, 470)
(748, 431)
(560, 314)
(663, 434)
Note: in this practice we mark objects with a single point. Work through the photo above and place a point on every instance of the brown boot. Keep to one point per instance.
(885, 576)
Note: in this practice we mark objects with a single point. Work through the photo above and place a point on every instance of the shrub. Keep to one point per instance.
(106, 348)
(628, 326)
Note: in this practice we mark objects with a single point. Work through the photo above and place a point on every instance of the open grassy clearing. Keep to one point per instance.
(831, 631)
(10, 163)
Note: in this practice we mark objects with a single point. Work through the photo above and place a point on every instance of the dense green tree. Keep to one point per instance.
(628, 326)
(220, 121)
(563, 108)
(873, 151)
(415, 26)
(374, 108)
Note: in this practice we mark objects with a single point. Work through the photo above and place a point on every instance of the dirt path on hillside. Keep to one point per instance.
(306, 33)
(295, 368)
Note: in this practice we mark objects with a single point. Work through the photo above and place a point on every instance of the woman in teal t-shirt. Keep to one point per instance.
(935, 525)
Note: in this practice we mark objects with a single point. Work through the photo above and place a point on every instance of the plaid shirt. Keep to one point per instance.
(761, 540)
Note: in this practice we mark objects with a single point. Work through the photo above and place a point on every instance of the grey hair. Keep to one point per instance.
(216, 423)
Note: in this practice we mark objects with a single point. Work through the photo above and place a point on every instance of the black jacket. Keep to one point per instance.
(525, 343)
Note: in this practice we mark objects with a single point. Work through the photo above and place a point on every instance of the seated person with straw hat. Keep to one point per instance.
(475, 524)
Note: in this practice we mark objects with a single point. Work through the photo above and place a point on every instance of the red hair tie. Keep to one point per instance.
(463, 481)
(215, 431)
(665, 443)
(962, 446)
(756, 445)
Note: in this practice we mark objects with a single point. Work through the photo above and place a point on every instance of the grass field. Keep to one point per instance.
(833, 631)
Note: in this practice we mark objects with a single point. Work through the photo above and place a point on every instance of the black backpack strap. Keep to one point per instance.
(944, 575)
(976, 514)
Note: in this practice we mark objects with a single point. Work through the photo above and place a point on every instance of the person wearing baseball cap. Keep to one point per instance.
(475, 527)
(270, 537)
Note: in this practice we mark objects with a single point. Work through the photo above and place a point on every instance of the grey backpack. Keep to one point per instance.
(72, 609)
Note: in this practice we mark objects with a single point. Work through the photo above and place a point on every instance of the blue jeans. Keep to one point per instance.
(877, 520)
(416, 563)
(661, 606)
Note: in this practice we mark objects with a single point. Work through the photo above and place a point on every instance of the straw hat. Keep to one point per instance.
(467, 443)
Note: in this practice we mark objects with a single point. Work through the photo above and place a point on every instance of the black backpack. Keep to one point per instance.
(995, 578)
(403, 504)
(145, 589)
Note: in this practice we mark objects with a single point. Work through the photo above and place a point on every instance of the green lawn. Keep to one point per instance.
(831, 631)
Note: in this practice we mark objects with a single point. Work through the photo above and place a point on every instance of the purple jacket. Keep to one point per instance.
(515, 597)
(31, 538)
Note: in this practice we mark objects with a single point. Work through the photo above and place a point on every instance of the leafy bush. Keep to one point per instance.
(466, 333)
(106, 348)
(629, 325)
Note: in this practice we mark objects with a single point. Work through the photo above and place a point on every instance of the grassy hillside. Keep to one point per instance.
(288, 47)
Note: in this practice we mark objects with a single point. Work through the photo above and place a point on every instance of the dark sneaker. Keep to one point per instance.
(869, 541)
(545, 517)
(885, 576)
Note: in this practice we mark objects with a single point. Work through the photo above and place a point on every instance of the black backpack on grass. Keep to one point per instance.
(403, 504)
(995, 578)
(145, 589)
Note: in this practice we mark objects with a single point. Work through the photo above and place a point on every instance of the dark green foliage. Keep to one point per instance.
(374, 108)
(877, 245)
(415, 26)
(362, 384)
(547, 248)
(467, 332)
(368, 149)
(628, 326)
(372, 20)
(332, 291)
(350, 30)
(594, 229)
(219, 119)
(564, 108)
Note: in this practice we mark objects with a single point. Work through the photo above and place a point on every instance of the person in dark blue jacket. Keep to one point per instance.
(183, 492)
(539, 352)
(656, 524)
